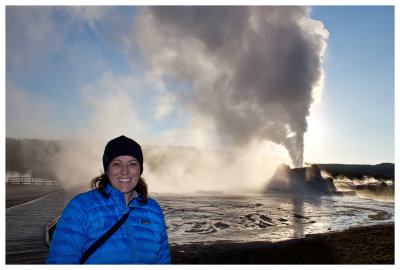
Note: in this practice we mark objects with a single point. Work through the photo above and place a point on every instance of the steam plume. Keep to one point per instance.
(231, 76)
(252, 70)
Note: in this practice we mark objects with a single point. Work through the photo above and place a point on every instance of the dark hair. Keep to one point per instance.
(100, 183)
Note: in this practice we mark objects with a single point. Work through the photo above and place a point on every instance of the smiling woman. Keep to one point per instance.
(116, 223)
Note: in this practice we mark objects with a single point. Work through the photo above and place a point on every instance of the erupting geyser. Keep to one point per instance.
(250, 73)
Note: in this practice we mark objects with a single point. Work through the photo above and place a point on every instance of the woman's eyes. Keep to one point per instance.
(118, 164)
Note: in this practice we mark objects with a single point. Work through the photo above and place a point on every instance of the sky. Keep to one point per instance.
(317, 84)
(355, 120)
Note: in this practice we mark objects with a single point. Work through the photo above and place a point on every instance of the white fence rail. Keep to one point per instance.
(31, 180)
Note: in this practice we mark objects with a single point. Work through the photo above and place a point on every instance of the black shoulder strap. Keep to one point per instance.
(105, 236)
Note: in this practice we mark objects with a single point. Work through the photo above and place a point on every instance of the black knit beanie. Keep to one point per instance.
(122, 146)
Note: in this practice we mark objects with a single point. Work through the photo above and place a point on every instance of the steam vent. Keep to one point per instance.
(307, 180)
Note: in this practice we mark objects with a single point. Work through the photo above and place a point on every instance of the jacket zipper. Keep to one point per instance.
(132, 242)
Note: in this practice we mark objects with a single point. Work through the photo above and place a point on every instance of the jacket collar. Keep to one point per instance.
(119, 197)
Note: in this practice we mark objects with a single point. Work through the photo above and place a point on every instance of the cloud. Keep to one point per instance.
(252, 70)
(111, 24)
(31, 37)
(164, 104)
(53, 52)
(27, 114)
(113, 102)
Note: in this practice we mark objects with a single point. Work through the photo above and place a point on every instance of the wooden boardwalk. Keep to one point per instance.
(25, 227)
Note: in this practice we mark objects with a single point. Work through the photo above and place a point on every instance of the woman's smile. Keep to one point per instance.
(125, 180)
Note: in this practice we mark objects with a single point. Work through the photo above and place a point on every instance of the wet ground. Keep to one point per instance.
(258, 218)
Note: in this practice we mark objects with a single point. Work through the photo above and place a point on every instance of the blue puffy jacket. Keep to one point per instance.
(142, 239)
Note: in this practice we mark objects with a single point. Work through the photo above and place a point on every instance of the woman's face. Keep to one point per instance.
(124, 173)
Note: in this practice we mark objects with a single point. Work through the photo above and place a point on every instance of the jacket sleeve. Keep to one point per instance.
(164, 256)
(69, 236)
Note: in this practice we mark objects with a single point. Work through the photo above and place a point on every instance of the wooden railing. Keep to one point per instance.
(50, 228)
(31, 180)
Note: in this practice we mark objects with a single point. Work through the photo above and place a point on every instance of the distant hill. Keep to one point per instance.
(31, 156)
(383, 171)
